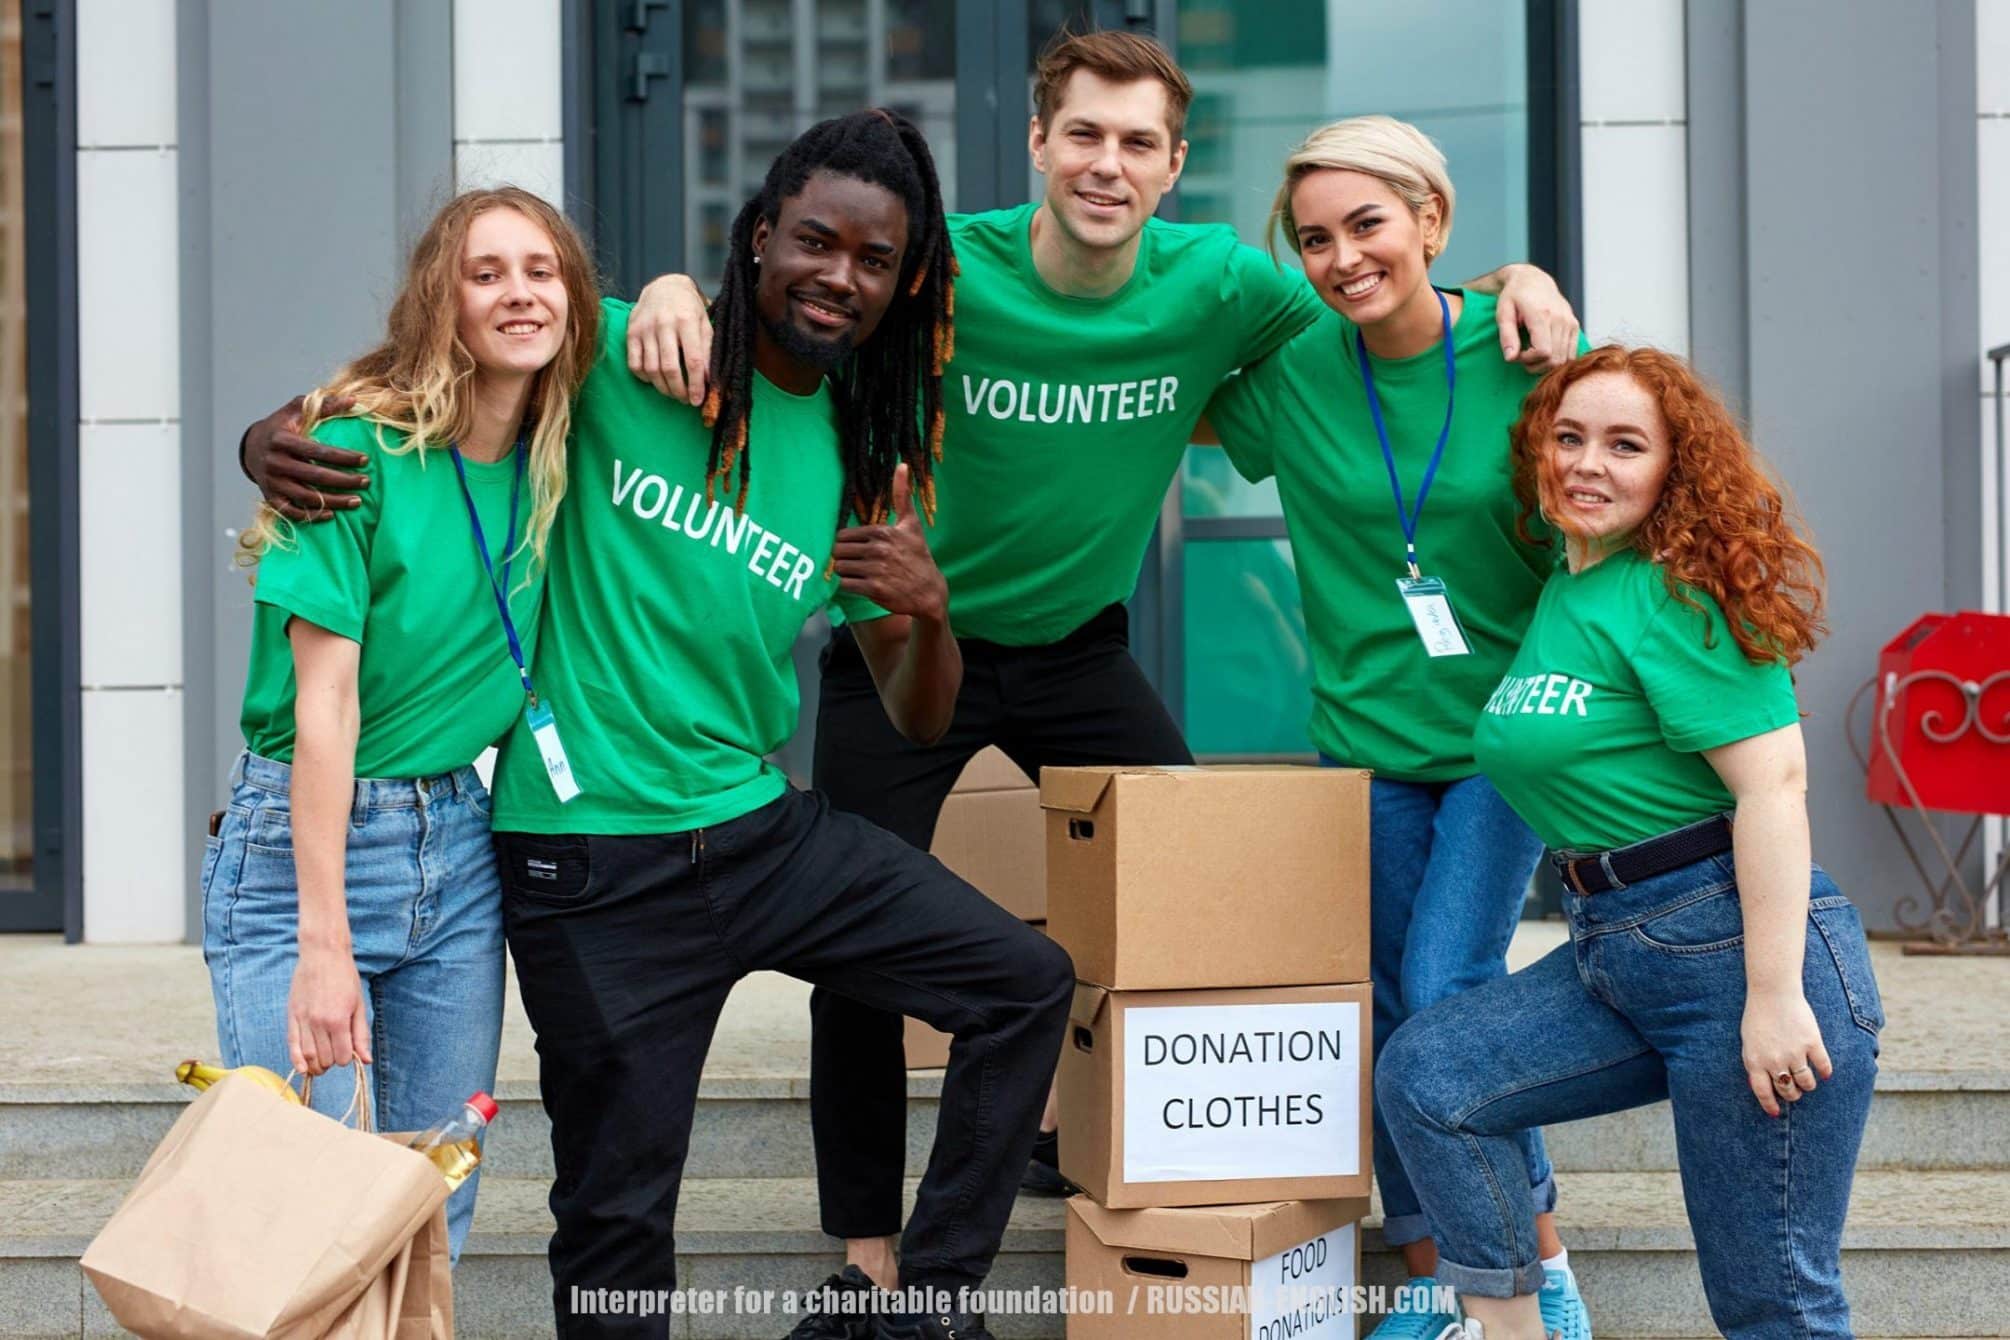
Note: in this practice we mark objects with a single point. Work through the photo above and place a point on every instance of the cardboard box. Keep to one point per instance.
(990, 770)
(997, 840)
(1217, 1097)
(1183, 878)
(928, 1048)
(1281, 1270)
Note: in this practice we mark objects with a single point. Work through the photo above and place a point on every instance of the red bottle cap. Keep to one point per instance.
(485, 1105)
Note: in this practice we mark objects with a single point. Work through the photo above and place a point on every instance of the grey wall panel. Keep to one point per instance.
(1718, 312)
(315, 140)
(1849, 278)
(1961, 334)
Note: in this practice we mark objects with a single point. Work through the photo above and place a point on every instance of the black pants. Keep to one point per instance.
(1079, 701)
(625, 949)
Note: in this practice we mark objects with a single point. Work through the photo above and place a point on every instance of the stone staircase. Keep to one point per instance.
(93, 1032)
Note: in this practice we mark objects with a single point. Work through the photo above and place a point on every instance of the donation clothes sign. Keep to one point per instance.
(1238, 1092)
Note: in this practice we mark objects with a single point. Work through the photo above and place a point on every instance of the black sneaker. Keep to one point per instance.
(842, 1323)
(932, 1326)
(1043, 1171)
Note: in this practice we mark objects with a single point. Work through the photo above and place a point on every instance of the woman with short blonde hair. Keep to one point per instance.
(1385, 424)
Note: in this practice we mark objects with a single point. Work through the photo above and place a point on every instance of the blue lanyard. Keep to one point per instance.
(499, 590)
(1406, 515)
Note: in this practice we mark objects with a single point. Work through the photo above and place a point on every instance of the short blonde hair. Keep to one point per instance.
(1393, 152)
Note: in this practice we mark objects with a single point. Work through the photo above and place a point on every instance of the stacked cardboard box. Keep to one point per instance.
(991, 834)
(1214, 1083)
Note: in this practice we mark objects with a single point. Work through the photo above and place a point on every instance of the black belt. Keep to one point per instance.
(1621, 866)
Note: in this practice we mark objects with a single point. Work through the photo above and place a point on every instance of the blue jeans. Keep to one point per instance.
(1647, 1002)
(1449, 868)
(425, 920)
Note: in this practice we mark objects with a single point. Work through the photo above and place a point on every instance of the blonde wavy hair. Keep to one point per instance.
(419, 381)
(1396, 153)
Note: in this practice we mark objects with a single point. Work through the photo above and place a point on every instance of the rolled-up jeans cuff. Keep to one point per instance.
(1494, 1283)
(1400, 1230)
(1543, 1193)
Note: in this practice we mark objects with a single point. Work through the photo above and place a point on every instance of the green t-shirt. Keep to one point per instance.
(669, 620)
(1067, 417)
(1378, 699)
(435, 683)
(1596, 734)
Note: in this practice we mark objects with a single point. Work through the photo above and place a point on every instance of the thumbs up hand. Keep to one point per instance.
(891, 565)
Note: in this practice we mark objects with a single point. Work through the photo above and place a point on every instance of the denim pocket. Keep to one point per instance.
(1708, 923)
(1837, 921)
(544, 869)
(212, 851)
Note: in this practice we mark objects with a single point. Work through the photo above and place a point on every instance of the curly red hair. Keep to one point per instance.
(1720, 526)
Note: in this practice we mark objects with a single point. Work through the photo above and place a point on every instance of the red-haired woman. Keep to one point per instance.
(1647, 730)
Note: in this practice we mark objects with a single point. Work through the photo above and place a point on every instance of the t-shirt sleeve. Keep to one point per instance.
(848, 608)
(1243, 416)
(611, 361)
(1707, 695)
(320, 571)
(1270, 302)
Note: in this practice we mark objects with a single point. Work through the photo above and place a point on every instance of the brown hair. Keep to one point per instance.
(1721, 526)
(1118, 56)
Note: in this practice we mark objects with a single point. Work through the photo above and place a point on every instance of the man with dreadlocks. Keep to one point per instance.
(690, 550)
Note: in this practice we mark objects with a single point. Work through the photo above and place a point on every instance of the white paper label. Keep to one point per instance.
(556, 765)
(1306, 1293)
(1431, 611)
(1217, 1093)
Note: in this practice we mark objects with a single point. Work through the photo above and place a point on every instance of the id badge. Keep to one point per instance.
(1430, 609)
(544, 729)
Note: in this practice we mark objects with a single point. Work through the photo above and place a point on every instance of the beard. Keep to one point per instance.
(821, 354)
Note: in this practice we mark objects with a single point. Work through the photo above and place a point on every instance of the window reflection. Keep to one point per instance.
(760, 72)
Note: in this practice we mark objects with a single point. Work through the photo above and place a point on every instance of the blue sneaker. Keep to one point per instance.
(1414, 1318)
(1563, 1313)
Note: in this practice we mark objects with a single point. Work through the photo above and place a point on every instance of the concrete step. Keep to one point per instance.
(1925, 1254)
(754, 1126)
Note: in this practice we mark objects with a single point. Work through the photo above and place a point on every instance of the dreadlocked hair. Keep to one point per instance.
(888, 392)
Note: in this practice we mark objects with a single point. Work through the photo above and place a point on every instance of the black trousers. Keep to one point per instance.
(1079, 701)
(625, 949)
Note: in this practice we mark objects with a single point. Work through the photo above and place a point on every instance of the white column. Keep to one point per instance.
(509, 123)
(1992, 160)
(129, 472)
(1633, 105)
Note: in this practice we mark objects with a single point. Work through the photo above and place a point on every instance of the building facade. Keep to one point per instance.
(1797, 195)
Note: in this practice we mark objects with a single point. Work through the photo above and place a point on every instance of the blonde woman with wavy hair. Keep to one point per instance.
(351, 910)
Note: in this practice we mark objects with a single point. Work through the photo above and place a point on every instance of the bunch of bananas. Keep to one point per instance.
(199, 1076)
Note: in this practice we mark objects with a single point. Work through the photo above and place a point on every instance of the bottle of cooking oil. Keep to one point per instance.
(454, 1144)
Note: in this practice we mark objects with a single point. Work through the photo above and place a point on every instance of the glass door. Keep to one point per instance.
(1265, 72)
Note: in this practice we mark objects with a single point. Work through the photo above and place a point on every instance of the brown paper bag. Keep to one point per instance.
(258, 1217)
(412, 1299)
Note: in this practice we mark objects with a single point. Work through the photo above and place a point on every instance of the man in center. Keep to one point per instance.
(1089, 336)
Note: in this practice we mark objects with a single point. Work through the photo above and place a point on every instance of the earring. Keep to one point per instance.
(757, 260)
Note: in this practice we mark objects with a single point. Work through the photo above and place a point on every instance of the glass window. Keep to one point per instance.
(1251, 643)
(1265, 72)
(760, 72)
